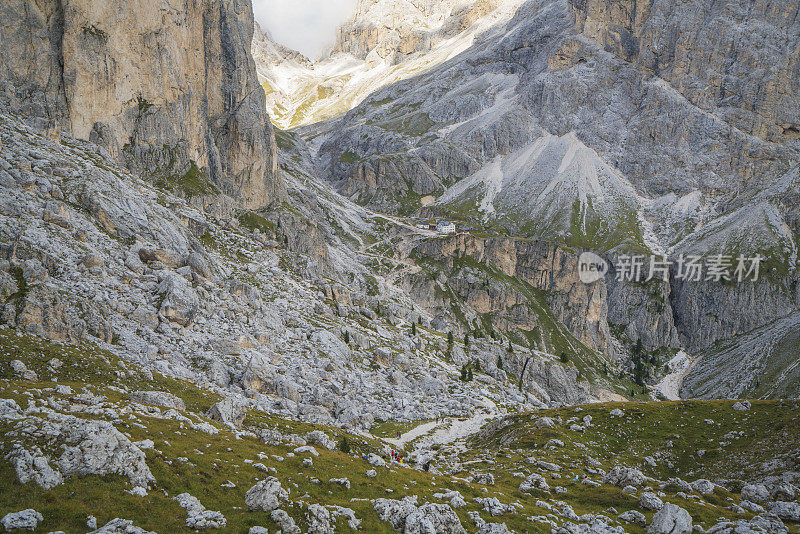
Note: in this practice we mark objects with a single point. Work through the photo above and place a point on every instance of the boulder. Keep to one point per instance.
(544, 422)
(671, 519)
(376, 460)
(120, 526)
(88, 448)
(22, 372)
(198, 264)
(32, 466)
(634, 517)
(284, 520)
(319, 520)
(25, 520)
(406, 517)
(158, 398)
(534, 482)
(487, 479)
(761, 524)
(650, 501)
(228, 411)
(788, 511)
(180, 301)
(432, 517)
(757, 493)
(92, 261)
(266, 495)
(625, 476)
(318, 437)
(703, 486)
(782, 491)
(170, 260)
(197, 517)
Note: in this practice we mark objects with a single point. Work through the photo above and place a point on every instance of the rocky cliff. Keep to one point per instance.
(170, 89)
(391, 30)
(591, 124)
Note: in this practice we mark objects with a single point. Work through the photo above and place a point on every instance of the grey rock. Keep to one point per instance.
(623, 476)
(650, 501)
(534, 482)
(782, 491)
(89, 448)
(180, 301)
(25, 520)
(199, 265)
(285, 521)
(120, 526)
(764, 523)
(266, 495)
(671, 519)
(702, 486)
(228, 411)
(158, 398)
(788, 511)
(144, 127)
(634, 517)
(197, 517)
(757, 493)
(22, 372)
(486, 479)
(319, 520)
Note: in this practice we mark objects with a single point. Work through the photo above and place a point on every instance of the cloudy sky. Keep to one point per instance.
(305, 25)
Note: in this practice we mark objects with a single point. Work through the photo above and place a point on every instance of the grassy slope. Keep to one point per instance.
(772, 430)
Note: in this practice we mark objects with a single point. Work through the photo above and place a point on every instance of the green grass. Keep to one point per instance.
(194, 182)
(672, 430)
(253, 221)
(348, 157)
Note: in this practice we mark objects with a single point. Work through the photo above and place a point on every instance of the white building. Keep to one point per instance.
(444, 227)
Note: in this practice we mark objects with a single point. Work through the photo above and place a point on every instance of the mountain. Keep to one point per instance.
(584, 125)
(384, 42)
(172, 92)
(211, 323)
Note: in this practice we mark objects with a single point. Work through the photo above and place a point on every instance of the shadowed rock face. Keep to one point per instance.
(158, 87)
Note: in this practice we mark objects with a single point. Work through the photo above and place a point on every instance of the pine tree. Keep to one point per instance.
(499, 362)
(469, 375)
(413, 329)
(638, 357)
(449, 339)
(347, 337)
(464, 373)
(466, 340)
(510, 347)
(564, 358)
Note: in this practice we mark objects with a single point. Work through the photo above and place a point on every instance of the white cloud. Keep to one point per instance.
(304, 25)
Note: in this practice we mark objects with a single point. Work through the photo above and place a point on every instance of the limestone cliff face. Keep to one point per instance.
(391, 30)
(737, 59)
(160, 86)
(521, 285)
